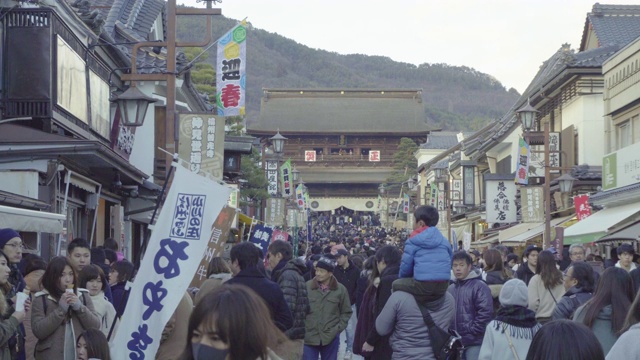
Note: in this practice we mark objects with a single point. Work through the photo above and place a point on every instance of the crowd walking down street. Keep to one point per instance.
(261, 307)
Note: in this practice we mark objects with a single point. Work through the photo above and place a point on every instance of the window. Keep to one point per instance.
(624, 134)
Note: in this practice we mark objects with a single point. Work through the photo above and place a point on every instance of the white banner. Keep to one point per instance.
(501, 201)
(177, 244)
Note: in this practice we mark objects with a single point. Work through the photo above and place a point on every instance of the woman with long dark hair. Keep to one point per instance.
(10, 319)
(606, 311)
(545, 287)
(92, 344)
(496, 274)
(566, 340)
(233, 323)
(579, 283)
(627, 345)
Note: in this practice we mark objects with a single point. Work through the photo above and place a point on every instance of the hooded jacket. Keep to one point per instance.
(427, 257)
(474, 307)
(330, 312)
(573, 299)
(294, 288)
(601, 326)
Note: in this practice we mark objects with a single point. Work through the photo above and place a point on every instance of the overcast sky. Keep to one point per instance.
(508, 39)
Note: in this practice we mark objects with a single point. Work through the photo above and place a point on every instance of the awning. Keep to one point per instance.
(491, 239)
(595, 226)
(30, 220)
(522, 238)
(509, 233)
(629, 233)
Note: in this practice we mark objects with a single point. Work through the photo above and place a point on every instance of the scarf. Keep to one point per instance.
(418, 231)
(522, 320)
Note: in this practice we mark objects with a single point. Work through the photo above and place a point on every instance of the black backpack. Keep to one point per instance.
(446, 345)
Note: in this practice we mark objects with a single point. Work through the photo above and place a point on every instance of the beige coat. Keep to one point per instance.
(213, 282)
(175, 333)
(542, 300)
(48, 324)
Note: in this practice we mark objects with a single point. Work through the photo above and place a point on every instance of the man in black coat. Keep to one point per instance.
(388, 260)
(287, 272)
(244, 265)
(348, 274)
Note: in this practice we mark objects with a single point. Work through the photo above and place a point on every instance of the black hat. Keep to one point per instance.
(342, 252)
(531, 248)
(327, 262)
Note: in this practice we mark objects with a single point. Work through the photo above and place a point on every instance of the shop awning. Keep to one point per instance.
(522, 238)
(595, 226)
(493, 238)
(30, 220)
(629, 233)
(508, 234)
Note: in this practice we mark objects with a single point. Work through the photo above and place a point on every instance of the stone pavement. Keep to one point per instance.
(343, 345)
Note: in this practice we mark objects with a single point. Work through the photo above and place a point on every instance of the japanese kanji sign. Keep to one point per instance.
(536, 164)
(468, 183)
(532, 207)
(309, 155)
(275, 211)
(583, 209)
(272, 177)
(522, 163)
(285, 175)
(374, 155)
(501, 207)
(181, 235)
(231, 72)
(261, 238)
(201, 143)
(405, 204)
(215, 247)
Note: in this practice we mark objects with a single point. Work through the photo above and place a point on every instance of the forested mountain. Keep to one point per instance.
(456, 98)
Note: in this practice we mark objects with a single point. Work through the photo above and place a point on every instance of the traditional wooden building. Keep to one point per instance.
(342, 140)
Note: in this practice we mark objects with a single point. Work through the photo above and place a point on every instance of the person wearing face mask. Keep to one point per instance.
(92, 345)
(93, 279)
(60, 311)
(232, 323)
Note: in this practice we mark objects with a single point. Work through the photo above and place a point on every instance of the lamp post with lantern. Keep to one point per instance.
(527, 115)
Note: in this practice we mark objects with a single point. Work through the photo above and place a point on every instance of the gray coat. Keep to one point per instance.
(410, 338)
(601, 326)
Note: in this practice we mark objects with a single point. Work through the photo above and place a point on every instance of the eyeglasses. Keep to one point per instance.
(16, 246)
(577, 253)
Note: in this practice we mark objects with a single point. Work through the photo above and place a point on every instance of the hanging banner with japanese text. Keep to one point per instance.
(261, 238)
(536, 162)
(275, 212)
(181, 235)
(280, 234)
(219, 236)
(300, 199)
(532, 200)
(583, 209)
(501, 196)
(433, 195)
(272, 177)
(285, 178)
(201, 143)
(522, 164)
(405, 206)
(379, 202)
(231, 72)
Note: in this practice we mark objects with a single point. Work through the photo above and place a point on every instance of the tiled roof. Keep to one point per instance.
(595, 57)
(442, 140)
(613, 24)
(380, 111)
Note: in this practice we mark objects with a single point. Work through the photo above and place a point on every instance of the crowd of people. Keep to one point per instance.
(387, 294)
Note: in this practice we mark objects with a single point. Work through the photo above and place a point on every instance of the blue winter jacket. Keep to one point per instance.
(427, 257)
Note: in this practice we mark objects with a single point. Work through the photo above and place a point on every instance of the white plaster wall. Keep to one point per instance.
(586, 114)
(23, 183)
(144, 144)
(425, 155)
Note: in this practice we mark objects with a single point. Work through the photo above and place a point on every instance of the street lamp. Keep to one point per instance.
(295, 174)
(133, 105)
(278, 142)
(527, 115)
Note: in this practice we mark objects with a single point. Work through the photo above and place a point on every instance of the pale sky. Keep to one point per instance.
(508, 39)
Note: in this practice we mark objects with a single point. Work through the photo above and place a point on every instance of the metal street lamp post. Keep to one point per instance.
(527, 115)
(442, 176)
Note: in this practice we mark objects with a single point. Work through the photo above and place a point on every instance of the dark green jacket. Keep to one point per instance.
(330, 312)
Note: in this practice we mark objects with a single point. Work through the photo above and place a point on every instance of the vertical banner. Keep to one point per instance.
(531, 207)
(405, 207)
(583, 209)
(180, 237)
(219, 236)
(379, 202)
(456, 191)
(468, 182)
(309, 226)
(231, 72)
(433, 195)
(501, 196)
(275, 212)
(285, 176)
(261, 238)
(466, 241)
(522, 166)
(201, 142)
(536, 161)
(300, 197)
(272, 177)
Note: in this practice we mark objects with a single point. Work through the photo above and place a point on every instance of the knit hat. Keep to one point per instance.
(514, 292)
(6, 235)
(327, 262)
